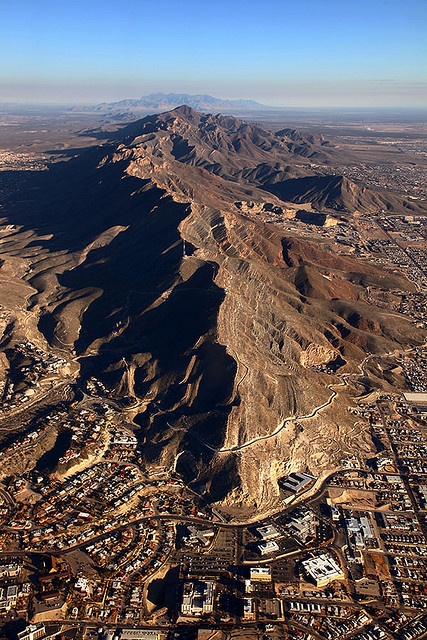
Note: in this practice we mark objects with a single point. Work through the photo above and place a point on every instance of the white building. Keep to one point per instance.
(260, 574)
(198, 598)
(9, 570)
(249, 609)
(268, 532)
(8, 597)
(32, 632)
(360, 528)
(269, 546)
(323, 569)
(139, 634)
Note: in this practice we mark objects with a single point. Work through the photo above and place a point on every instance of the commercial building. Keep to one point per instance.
(269, 546)
(8, 597)
(198, 598)
(323, 569)
(32, 632)
(260, 574)
(138, 634)
(249, 612)
(296, 482)
(268, 532)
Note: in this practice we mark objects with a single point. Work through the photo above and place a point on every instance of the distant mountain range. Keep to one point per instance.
(158, 102)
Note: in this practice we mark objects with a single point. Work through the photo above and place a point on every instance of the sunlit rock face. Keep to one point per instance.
(175, 263)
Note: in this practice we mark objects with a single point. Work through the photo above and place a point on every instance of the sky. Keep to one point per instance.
(280, 52)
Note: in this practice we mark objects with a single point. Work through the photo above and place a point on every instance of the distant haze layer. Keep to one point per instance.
(305, 53)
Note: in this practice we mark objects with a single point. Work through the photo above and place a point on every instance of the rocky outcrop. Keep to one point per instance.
(156, 267)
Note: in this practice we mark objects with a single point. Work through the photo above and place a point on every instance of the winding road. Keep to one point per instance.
(280, 428)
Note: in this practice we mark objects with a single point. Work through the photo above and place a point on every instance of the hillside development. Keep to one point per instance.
(212, 408)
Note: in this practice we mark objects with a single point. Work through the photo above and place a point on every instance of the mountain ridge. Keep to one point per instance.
(270, 159)
(154, 262)
(160, 102)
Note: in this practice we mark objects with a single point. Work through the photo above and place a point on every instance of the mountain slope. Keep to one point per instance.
(246, 153)
(150, 260)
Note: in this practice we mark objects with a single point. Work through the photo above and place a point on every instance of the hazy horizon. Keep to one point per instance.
(282, 54)
(28, 104)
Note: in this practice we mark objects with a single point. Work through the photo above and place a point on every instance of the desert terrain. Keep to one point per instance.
(213, 341)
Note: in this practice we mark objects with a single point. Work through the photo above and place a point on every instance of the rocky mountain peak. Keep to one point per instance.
(174, 264)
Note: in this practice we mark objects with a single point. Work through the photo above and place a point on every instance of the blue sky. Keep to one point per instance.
(280, 52)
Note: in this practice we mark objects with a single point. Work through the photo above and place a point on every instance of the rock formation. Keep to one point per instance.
(152, 259)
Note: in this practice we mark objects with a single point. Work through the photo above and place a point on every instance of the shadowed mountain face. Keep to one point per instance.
(150, 259)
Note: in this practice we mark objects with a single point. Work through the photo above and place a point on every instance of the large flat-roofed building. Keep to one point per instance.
(418, 399)
(138, 634)
(323, 569)
(9, 570)
(268, 532)
(198, 598)
(366, 528)
(269, 546)
(360, 528)
(32, 632)
(249, 609)
(8, 597)
(260, 574)
(303, 525)
(296, 482)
